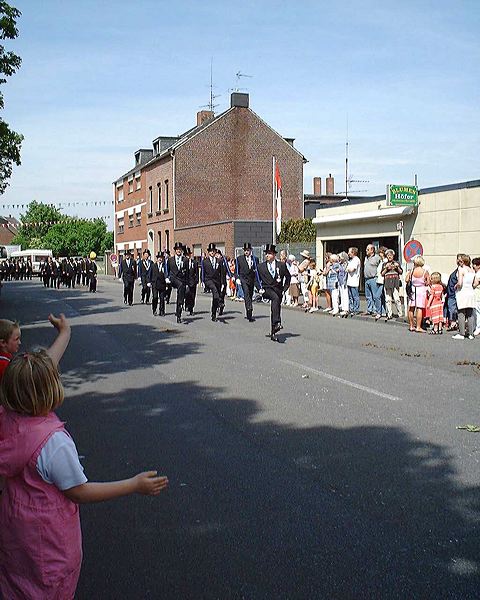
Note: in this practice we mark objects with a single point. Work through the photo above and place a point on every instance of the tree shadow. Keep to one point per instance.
(260, 509)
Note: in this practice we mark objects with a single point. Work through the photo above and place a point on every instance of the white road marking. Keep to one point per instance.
(357, 386)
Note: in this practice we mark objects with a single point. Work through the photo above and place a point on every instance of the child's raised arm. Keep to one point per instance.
(59, 346)
(147, 484)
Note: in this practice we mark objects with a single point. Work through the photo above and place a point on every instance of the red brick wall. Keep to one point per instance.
(218, 234)
(160, 220)
(137, 232)
(225, 172)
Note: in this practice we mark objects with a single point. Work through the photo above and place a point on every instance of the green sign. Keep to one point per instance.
(402, 195)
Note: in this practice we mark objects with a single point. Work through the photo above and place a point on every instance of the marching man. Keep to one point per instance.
(275, 279)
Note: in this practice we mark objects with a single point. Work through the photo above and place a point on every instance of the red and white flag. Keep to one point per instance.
(278, 200)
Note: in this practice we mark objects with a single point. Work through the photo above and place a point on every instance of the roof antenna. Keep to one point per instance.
(211, 105)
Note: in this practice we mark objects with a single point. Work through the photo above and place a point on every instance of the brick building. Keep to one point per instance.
(214, 183)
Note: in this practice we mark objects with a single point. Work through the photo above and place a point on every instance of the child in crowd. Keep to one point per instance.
(40, 536)
(10, 340)
(313, 283)
(435, 303)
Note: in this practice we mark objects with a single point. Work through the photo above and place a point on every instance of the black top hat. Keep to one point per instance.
(188, 250)
(270, 248)
(128, 252)
(147, 251)
(247, 246)
(159, 255)
(178, 245)
(211, 247)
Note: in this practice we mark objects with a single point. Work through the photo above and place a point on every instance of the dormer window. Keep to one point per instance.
(137, 158)
(156, 148)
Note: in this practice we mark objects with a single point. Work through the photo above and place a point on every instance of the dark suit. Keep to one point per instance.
(128, 272)
(178, 278)
(247, 275)
(92, 276)
(145, 274)
(274, 287)
(214, 278)
(159, 287)
(192, 282)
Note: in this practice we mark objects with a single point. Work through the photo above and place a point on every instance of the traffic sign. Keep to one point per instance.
(412, 248)
(113, 259)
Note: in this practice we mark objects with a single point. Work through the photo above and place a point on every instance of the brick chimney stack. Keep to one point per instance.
(317, 186)
(330, 185)
(204, 115)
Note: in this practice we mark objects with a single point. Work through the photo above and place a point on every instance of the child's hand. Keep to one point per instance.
(60, 323)
(149, 484)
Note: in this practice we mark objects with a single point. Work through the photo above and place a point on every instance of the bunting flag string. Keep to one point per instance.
(61, 205)
(50, 223)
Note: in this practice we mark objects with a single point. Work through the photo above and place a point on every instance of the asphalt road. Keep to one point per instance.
(325, 466)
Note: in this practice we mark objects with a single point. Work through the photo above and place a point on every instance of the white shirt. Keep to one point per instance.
(58, 462)
(353, 270)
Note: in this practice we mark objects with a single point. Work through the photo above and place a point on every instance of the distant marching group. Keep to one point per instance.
(69, 272)
(183, 271)
(16, 269)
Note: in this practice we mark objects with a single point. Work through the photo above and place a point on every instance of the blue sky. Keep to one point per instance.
(101, 79)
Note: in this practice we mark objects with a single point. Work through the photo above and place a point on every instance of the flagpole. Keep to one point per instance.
(273, 200)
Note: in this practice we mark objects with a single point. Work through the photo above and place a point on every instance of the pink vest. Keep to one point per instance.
(40, 536)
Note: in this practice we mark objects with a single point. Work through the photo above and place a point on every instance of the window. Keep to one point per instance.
(150, 191)
(130, 186)
(139, 218)
(130, 220)
(166, 194)
(121, 225)
(138, 181)
(120, 194)
(159, 241)
(167, 239)
(159, 197)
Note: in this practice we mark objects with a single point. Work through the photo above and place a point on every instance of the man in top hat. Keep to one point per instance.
(128, 272)
(192, 281)
(275, 278)
(225, 271)
(159, 286)
(214, 278)
(177, 273)
(246, 274)
(145, 274)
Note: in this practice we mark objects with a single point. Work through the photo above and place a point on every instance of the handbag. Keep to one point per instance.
(409, 288)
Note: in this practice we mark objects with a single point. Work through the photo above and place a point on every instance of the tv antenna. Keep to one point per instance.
(211, 105)
(348, 177)
(239, 75)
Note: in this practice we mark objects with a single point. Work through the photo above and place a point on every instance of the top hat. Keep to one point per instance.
(247, 246)
(188, 250)
(305, 254)
(178, 245)
(146, 251)
(211, 247)
(270, 248)
(128, 252)
(159, 255)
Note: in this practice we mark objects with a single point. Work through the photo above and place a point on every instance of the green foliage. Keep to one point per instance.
(78, 237)
(10, 141)
(36, 223)
(44, 226)
(297, 230)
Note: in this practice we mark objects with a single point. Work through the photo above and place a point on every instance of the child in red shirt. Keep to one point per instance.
(10, 340)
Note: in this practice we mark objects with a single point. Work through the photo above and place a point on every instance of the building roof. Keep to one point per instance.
(312, 199)
(192, 132)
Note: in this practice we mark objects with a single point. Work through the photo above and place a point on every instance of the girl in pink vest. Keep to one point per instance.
(43, 483)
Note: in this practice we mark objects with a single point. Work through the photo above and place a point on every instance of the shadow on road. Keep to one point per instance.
(258, 509)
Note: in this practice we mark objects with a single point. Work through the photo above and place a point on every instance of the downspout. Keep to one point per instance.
(172, 154)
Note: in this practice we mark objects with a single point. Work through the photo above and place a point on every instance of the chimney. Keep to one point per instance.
(204, 115)
(239, 100)
(330, 191)
(317, 186)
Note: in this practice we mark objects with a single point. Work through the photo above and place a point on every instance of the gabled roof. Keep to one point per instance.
(183, 138)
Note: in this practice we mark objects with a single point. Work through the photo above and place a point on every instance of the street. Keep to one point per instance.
(328, 465)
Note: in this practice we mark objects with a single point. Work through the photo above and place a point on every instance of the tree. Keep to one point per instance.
(297, 230)
(36, 223)
(10, 141)
(78, 237)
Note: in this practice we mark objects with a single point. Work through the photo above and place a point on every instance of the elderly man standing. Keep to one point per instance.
(372, 296)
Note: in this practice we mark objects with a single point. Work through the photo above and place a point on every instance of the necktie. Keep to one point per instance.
(271, 268)
(178, 262)
(214, 263)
